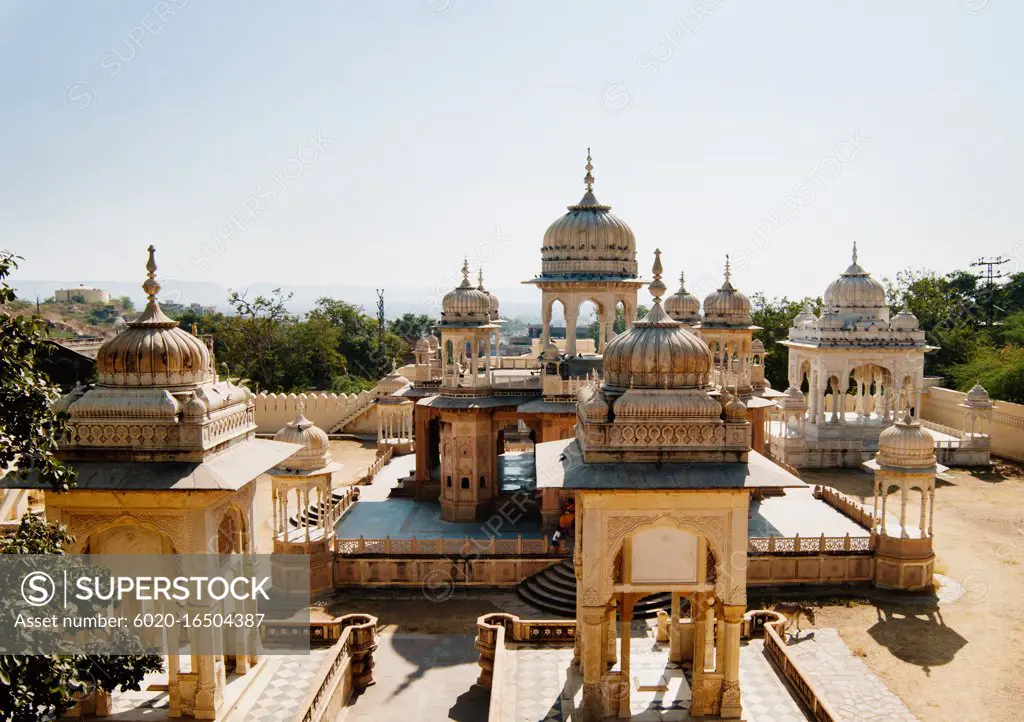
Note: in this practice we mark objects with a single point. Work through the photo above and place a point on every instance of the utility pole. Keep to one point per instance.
(990, 274)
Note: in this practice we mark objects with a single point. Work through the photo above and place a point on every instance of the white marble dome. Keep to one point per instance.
(806, 317)
(906, 444)
(393, 382)
(904, 321)
(657, 352)
(856, 291)
(589, 240)
(978, 397)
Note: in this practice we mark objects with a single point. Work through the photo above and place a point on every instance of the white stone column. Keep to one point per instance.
(903, 512)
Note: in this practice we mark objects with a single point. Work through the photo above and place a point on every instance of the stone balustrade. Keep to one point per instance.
(797, 678)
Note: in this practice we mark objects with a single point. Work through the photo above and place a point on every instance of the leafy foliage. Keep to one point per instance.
(775, 316)
(29, 430)
(334, 347)
(38, 687)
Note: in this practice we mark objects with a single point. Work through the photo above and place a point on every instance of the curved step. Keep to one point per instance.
(554, 590)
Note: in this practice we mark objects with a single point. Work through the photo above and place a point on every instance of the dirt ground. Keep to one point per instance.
(962, 660)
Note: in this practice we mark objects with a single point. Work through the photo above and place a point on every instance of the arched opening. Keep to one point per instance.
(555, 319)
(517, 467)
(590, 336)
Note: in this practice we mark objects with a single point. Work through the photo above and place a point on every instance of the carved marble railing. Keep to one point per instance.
(379, 463)
(441, 546)
(494, 631)
(845, 505)
(810, 545)
(791, 672)
(350, 668)
(501, 383)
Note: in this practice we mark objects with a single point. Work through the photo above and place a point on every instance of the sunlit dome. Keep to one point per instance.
(657, 352)
(493, 308)
(855, 292)
(727, 306)
(465, 304)
(906, 444)
(153, 350)
(589, 240)
(683, 306)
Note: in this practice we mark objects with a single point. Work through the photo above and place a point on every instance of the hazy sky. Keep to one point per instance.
(376, 143)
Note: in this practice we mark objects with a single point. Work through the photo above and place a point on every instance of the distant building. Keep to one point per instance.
(81, 294)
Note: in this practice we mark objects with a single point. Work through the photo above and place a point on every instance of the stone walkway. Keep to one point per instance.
(422, 677)
(852, 690)
(548, 689)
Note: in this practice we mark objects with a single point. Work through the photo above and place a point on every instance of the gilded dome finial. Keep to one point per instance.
(855, 252)
(589, 178)
(151, 286)
(480, 278)
(656, 287)
(728, 269)
(465, 273)
(682, 281)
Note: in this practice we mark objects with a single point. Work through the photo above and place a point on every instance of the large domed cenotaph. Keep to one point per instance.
(662, 471)
(588, 254)
(166, 457)
(853, 342)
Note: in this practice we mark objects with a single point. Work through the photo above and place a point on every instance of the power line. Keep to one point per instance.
(990, 274)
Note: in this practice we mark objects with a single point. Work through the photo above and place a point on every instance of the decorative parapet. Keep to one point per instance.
(379, 463)
(350, 669)
(328, 411)
(846, 506)
(775, 649)
(445, 547)
(493, 631)
(810, 545)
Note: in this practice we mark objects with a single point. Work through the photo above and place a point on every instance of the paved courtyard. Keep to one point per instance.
(798, 512)
(852, 690)
(548, 689)
(376, 516)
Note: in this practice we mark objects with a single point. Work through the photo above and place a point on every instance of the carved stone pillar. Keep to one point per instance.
(733, 619)
(592, 664)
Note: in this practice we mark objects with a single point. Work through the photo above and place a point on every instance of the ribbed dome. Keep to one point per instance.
(589, 240)
(857, 291)
(805, 318)
(906, 444)
(465, 304)
(314, 453)
(434, 343)
(904, 321)
(683, 306)
(727, 306)
(393, 382)
(978, 397)
(153, 350)
(422, 345)
(493, 307)
(657, 352)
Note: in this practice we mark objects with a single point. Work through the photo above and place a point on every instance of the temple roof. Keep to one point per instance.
(560, 465)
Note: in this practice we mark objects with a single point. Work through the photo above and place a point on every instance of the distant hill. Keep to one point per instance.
(518, 302)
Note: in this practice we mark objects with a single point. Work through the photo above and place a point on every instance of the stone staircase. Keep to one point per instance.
(554, 590)
(312, 514)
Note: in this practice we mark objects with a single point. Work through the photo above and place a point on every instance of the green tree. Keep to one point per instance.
(359, 343)
(42, 687)
(252, 339)
(411, 326)
(29, 430)
(775, 317)
(34, 687)
(999, 370)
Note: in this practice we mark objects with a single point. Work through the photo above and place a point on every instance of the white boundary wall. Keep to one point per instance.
(941, 406)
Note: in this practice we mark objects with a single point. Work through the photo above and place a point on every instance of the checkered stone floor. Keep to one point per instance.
(548, 689)
(765, 696)
(284, 693)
